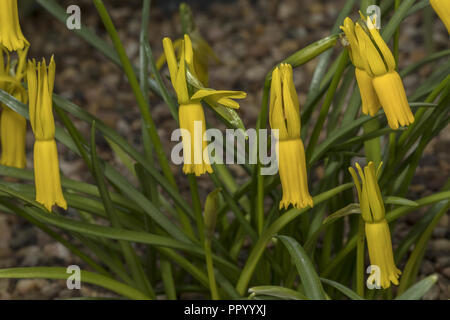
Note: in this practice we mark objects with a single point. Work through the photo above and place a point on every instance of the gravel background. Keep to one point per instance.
(249, 37)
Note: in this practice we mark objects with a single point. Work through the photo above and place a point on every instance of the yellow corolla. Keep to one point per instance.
(40, 80)
(11, 36)
(379, 64)
(442, 8)
(190, 112)
(376, 227)
(284, 116)
(369, 98)
(13, 125)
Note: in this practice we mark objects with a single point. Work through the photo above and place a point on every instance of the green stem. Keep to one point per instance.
(360, 258)
(342, 64)
(196, 205)
(210, 269)
(372, 147)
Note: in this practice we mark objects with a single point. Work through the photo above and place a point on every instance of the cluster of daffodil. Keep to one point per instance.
(40, 80)
(380, 86)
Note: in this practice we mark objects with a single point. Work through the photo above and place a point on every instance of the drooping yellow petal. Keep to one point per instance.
(284, 113)
(276, 112)
(221, 96)
(11, 36)
(291, 104)
(192, 123)
(442, 8)
(386, 53)
(349, 29)
(372, 60)
(391, 93)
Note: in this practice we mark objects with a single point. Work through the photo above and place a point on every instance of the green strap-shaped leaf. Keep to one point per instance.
(418, 290)
(85, 276)
(276, 291)
(308, 275)
(346, 291)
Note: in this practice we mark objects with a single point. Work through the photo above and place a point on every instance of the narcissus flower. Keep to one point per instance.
(40, 80)
(442, 8)
(369, 98)
(12, 125)
(379, 63)
(376, 227)
(284, 116)
(191, 114)
(11, 36)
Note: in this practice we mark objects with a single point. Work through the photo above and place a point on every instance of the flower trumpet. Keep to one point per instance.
(11, 36)
(13, 126)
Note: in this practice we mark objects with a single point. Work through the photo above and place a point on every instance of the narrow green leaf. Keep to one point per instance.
(348, 292)
(276, 291)
(310, 279)
(418, 290)
(86, 276)
(400, 201)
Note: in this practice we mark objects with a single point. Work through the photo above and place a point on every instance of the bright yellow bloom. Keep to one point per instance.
(11, 36)
(12, 125)
(442, 8)
(46, 166)
(376, 227)
(285, 116)
(379, 63)
(190, 112)
(369, 98)
(13, 132)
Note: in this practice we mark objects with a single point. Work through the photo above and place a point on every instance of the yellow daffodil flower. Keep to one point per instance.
(40, 80)
(191, 114)
(369, 98)
(12, 125)
(376, 227)
(284, 115)
(11, 36)
(442, 8)
(379, 63)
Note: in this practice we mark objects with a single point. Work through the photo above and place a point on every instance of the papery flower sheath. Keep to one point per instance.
(284, 115)
(376, 227)
(190, 112)
(40, 80)
(369, 98)
(442, 8)
(11, 36)
(379, 63)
